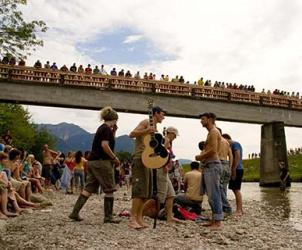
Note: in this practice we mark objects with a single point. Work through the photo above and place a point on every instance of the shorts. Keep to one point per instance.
(2, 188)
(16, 184)
(100, 173)
(46, 171)
(141, 180)
(236, 184)
(164, 186)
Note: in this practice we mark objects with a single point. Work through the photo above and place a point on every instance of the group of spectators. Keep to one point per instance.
(282, 93)
(151, 76)
(20, 180)
(295, 151)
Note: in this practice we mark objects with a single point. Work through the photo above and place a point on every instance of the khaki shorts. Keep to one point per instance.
(100, 173)
(16, 184)
(2, 188)
(164, 186)
(141, 180)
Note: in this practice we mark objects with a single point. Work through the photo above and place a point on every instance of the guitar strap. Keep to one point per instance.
(154, 195)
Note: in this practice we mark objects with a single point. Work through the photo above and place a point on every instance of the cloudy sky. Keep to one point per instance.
(250, 42)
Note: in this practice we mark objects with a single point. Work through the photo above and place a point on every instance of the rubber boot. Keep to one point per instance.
(108, 210)
(77, 208)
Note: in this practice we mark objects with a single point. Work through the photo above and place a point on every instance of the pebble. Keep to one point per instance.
(51, 229)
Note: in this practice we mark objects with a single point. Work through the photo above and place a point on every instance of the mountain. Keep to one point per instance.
(71, 137)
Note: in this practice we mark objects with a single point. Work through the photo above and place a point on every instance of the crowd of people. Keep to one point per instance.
(151, 76)
(20, 180)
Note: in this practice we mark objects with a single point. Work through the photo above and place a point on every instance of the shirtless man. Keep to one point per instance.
(226, 158)
(212, 169)
(141, 176)
(48, 157)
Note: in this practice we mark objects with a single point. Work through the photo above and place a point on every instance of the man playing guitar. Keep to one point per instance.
(142, 176)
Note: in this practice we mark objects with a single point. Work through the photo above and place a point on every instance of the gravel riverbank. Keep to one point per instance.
(261, 227)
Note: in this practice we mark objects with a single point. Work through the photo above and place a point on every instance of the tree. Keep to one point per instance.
(122, 155)
(18, 37)
(25, 134)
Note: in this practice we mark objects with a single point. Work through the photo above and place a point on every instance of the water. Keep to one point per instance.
(287, 205)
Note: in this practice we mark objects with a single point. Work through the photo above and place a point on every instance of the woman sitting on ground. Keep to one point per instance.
(22, 187)
(12, 195)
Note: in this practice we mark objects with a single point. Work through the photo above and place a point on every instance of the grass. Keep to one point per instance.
(252, 169)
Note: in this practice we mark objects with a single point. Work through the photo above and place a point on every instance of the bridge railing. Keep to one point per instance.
(48, 76)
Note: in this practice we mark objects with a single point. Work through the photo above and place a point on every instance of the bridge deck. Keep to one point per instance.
(90, 91)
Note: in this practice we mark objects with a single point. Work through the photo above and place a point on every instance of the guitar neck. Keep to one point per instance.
(151, 122)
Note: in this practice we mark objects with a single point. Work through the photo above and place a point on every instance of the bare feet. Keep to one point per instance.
(208, 224)
(238, 214)
(9, 214)
(215, 226)
(3, 216)
(174, 220)
(143, 224)
(134, 225)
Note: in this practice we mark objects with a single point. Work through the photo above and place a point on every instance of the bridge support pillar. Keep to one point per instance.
(273, 149)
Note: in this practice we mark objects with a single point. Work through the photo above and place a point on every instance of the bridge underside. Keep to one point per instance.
(135, 102)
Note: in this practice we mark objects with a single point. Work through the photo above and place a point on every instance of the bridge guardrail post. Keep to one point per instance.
(290, 104)
(153, 88)
(9, 74)
(62, 79)
(109, 84)
(229, 96)
(193, 92)
(261, 100)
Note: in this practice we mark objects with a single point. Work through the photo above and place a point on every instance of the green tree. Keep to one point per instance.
(25, 134)
(122, 155)
(18, 37)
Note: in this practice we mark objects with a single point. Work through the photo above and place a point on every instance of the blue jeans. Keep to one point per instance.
(79, 174)
(212, 172)
(224, 181)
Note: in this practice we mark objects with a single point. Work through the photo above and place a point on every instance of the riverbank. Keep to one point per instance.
(252, 169)
(261, 227)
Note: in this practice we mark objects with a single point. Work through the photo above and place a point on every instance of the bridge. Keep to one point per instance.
(28, 85)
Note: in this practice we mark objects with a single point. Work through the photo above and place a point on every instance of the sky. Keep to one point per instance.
(237, 41)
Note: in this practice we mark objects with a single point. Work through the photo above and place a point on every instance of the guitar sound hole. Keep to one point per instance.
(153, 143)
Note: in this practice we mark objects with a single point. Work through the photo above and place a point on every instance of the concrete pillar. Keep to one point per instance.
(273, 149)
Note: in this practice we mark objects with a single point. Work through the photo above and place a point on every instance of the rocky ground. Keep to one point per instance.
(49, 228)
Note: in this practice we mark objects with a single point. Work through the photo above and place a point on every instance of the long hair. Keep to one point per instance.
(78, 156)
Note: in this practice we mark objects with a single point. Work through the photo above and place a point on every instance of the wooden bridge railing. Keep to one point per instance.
(103, 82)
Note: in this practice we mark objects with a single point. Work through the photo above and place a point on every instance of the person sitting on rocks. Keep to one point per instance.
(191, 198)
(4, 190)
(38, 65)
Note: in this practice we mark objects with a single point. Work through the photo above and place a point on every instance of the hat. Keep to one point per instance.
(157, 109)
(172, 130)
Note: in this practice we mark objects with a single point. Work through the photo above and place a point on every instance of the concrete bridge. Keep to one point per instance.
(28, 85)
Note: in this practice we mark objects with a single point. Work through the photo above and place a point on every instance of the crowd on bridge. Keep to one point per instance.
(146, 76)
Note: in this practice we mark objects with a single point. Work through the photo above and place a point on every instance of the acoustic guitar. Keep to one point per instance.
(155, 155)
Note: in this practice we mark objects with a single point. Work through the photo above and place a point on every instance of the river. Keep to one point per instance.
(285, 204)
